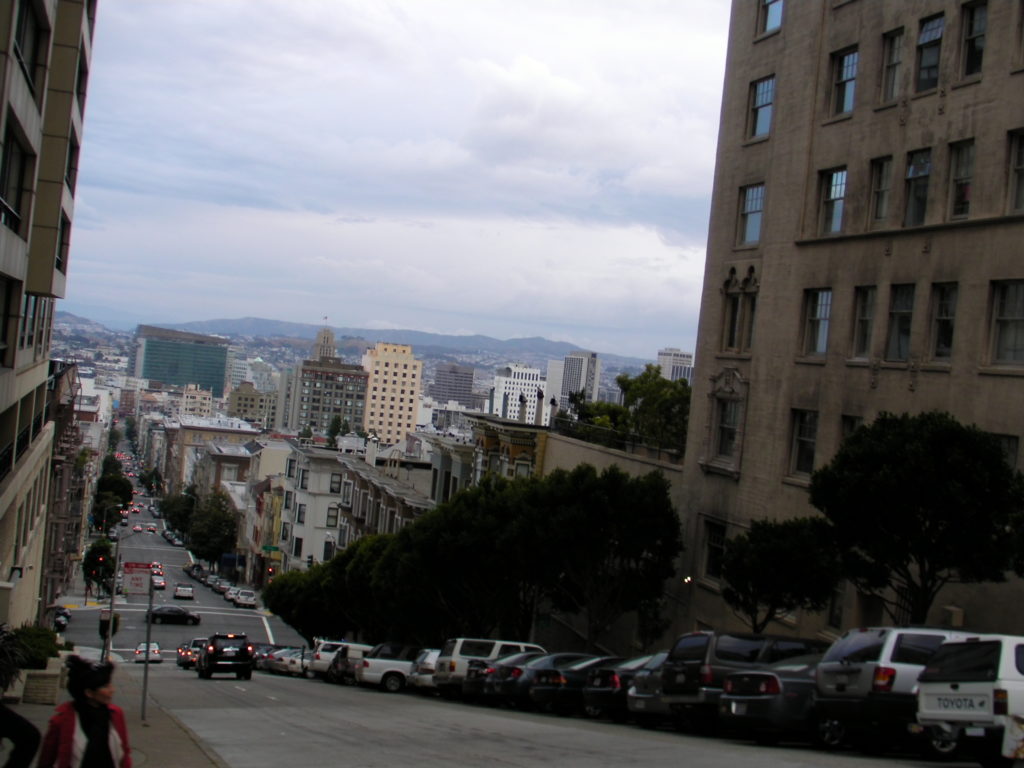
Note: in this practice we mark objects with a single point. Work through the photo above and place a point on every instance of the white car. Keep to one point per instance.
(454, 658)
(231, 594)
(245, 598)
(972, 693)
(184, 592)
(152, 657)
(325, 650)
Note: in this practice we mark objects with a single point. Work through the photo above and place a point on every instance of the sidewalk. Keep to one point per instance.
(161, 741)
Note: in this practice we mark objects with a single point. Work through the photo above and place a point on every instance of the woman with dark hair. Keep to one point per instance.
(88, 731)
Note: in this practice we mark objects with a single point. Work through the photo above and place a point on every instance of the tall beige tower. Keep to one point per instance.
(393, 391)
(863, 256)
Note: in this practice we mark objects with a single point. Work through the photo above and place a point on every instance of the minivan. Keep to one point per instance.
(457, 651)
(972, 693)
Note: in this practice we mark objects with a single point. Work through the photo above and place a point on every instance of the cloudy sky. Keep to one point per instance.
(527, 168)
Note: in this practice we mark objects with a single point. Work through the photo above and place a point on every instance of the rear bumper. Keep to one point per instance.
(884, 711)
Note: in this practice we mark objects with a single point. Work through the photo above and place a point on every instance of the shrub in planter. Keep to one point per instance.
(39, 644)
(12, 657)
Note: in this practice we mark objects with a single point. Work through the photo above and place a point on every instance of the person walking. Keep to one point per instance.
(89, 731)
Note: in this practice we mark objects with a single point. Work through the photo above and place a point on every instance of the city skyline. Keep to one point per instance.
(537, 171)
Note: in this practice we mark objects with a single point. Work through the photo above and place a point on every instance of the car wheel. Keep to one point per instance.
(393, 683)
(592, 712)
(830, 734)
(193, 622)
(309, 674)
(157, 620)
(939, 746)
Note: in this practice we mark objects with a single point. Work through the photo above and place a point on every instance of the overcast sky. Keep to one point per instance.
(527, 168)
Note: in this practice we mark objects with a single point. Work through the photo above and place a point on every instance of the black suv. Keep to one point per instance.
(226, 653)
(694, 673)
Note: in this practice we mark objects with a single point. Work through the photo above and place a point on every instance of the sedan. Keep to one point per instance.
(152, 656)
(184, 592)
(512, 681)
(605, 691)
(159, 582)
(561, 690)
(173, 614)
(478, 684)
(137, 528)
(772, 702)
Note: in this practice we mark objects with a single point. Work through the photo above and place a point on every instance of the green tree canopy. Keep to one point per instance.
(114, 439)
(118, 486)
(659, 409)
(334, 429)
(778, 567)
(111, 466)
(214, 529)
(98, 562)
(917, 502)
(178, 509)
(106, 511)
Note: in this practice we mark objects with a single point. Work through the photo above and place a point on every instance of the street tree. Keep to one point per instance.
(334, 429)
(214, 529)
(301, 599)
(621, 538)
(113, 440)
(778, 567)
(98, 563)
(178, 509)
(106, 511)
(918, 502)
(111, 466)
(659, 409)
(118, 486)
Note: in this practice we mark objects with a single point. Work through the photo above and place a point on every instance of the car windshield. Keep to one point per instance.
(858, 646)
(964, 662)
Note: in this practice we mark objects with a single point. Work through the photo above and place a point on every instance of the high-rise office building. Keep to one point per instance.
(863, 256)
(519, 394)
(581, 372)
(453, 382)
(178, 357)
(675, 364)
(393, 390)
(47, 48)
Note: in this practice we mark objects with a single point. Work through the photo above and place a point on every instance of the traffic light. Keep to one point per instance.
(270, 570)
(309, 561)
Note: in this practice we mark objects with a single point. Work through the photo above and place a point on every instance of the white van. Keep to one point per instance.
(450, 669)
(972, 691)
(325, 650)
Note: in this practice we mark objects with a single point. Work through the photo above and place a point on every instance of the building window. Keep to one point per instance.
(1008, 318)
(335, 483)
(943, 317)
(752, 206)
(817, 307)
(762, 98)
(300, 514)
(833, 194)
(290, 468)
(288, 497)
(849, 424)
(892, 63)
(901, 312)
(975, 20)
(714, 548)
(961, 161)
(769, 15)
(929, 46)
(881, 184)
(1017, 171)
(728, 421)
(332, 517)
(844, 66)
(297, 547)
(28, 41)
(805, 435)
(863, 320)
(739, 306)
(304, 479)
(919, 169)
(346, 493)
(13, 168)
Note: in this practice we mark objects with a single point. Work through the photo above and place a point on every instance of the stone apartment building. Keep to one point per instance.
(863, 256)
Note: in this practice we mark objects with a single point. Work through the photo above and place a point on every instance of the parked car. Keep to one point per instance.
(512, 681)
(263, 652)
(422, 676)
(457, 651)
(604, 694)
(184, 592)
(866, 686)
(342, 669)
(286, 661)
(245, 598)
(230, 594)
(150, 656)
(226, 652)
(480, 682)
(387, 665)
(971, 693)
(187, 657)
(698, 663)
(561, 690)
(173, 614)
(325, 650)
(771, 703)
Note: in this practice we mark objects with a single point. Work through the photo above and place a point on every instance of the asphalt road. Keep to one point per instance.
(271, 721)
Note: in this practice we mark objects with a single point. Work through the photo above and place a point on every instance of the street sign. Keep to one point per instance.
(271, 548)
(136, 578)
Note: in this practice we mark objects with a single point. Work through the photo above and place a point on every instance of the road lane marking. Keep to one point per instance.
(270, 634)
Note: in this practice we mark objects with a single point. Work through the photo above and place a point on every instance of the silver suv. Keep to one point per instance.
(866, 686)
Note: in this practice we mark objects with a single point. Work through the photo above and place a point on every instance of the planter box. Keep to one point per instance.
(42, 686)
(14, 693)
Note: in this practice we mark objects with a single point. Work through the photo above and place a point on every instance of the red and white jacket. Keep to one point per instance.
(64, 743)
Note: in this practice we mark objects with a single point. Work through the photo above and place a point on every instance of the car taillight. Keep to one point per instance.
(558, 679)
(728, 686)
(249, 648)
(451, 666)
(769, 686)
(316, 656)
(884, 679)
(999, 702)
(209, 649)
(366, 662)
(489, 671)
(706, 677)
(515, 672)
(616, 681)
